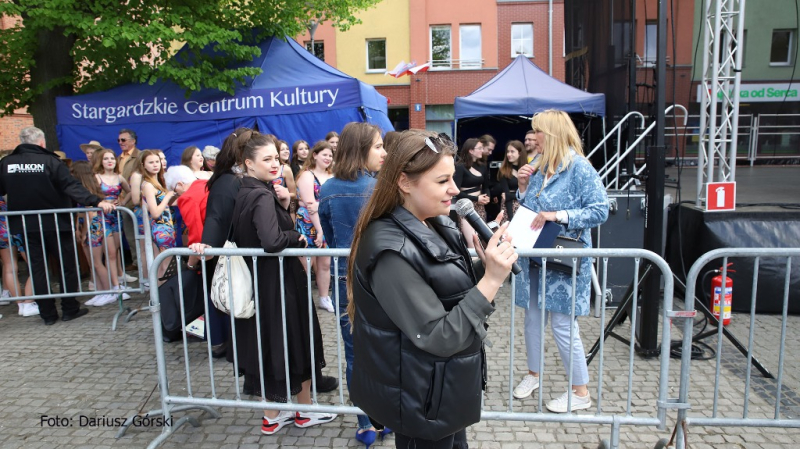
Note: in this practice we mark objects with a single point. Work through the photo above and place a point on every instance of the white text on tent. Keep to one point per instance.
(301, 96)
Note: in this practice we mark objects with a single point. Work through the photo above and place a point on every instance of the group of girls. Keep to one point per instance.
(488, 194)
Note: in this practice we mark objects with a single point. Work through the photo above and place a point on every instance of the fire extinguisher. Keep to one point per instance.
(727, 296)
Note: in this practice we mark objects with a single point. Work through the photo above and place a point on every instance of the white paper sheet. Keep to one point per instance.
(520, 229)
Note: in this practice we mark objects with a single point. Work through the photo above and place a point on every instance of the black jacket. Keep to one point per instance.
(35, 179)
(424, 385)
(219, 209)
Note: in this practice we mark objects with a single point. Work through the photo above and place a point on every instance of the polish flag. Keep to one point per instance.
(420, 68)
(401, 69)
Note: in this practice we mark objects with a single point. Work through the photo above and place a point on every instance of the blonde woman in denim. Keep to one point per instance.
(563, 187)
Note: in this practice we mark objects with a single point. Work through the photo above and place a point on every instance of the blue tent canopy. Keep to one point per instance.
(522, 88)
(297, 96)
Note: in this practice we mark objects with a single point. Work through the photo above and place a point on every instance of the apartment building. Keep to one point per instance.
(465, 43)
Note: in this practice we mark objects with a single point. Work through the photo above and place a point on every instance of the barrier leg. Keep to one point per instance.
(169, 429)
(122, 309)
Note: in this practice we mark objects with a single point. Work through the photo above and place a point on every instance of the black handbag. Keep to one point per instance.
(561, 263)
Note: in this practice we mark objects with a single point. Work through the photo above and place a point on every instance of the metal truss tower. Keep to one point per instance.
(723, 28)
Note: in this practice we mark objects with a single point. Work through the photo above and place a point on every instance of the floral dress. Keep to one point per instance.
(16, 240)
(162, 228)
(111, 194)
(304, 224)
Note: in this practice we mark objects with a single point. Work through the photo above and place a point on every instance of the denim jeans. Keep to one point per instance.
(347, 338)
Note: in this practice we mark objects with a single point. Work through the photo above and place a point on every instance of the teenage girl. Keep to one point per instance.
(157, 198)
(116, 190)
(92, 236)
(316, 171)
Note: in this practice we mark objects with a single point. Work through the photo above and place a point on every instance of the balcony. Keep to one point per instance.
(456, 64)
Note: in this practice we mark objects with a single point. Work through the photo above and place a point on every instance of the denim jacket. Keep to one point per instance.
(577, 190)
(340, 204)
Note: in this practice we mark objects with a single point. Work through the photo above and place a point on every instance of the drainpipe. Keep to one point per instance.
(550, 41)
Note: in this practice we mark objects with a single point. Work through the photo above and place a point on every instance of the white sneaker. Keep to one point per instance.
(91, 286)
(272, 426)
(105, 300)
(326, 304)
(93, 301)
(125, 296)
(308, 419)
(527, 386)
(30, 309)
(127, 278)
(578, 403)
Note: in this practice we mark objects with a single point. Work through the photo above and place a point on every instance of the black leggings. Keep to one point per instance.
(456, 441)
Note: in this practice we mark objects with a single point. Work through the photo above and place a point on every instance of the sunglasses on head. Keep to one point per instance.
(442, 139)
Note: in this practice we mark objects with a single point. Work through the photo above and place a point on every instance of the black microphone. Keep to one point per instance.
(466, 210)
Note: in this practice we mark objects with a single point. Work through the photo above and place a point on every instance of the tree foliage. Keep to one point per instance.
(112, 42)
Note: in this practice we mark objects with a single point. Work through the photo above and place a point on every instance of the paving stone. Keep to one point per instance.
(84, 368)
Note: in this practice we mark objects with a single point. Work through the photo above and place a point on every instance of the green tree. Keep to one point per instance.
(67, 47)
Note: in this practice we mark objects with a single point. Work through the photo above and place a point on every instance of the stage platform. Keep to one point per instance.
(757, 222)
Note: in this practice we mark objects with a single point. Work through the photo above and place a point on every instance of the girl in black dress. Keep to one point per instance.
(472, 181)
(261, 220)
(507, 176)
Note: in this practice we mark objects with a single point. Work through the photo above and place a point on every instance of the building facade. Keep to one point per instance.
(466, 43)
(12, 124)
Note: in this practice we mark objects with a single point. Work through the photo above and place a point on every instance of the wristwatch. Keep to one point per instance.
(561, 217)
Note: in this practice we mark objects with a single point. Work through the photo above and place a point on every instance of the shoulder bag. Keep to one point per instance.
(224, 296)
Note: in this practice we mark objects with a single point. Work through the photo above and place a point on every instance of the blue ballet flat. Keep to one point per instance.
(366, 437)
(385, 432)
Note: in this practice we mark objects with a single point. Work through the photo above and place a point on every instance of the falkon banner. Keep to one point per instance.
(761, 92)
(293, 100)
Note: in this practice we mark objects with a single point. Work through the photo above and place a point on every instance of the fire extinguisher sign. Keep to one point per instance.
(720, 196)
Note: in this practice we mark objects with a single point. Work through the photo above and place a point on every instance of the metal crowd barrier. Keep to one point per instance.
(744, 419)
(202, 385)
(74, 213)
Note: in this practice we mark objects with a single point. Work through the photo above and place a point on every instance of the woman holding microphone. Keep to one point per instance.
(418, 308)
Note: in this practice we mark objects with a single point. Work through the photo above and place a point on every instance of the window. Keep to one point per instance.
(782, 47)
(376, 55)
(470, 37)
(521, 39)
(622, 42)
(440, 46)
(650, 41)
(439, 118)
(319, 49)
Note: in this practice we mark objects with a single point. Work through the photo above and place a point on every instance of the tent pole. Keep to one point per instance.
(455, 132)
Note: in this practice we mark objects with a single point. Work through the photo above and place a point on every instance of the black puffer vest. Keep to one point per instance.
(409, 390)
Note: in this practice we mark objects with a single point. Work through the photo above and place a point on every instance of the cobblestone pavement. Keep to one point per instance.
(73, 372)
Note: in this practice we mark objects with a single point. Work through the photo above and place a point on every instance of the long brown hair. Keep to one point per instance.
(83, 172)
(158, 180)
(410, 155)
(506, 168)
(187, 155)
(353, 151)
(465, 158)
(311, 163)
(97, 161)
